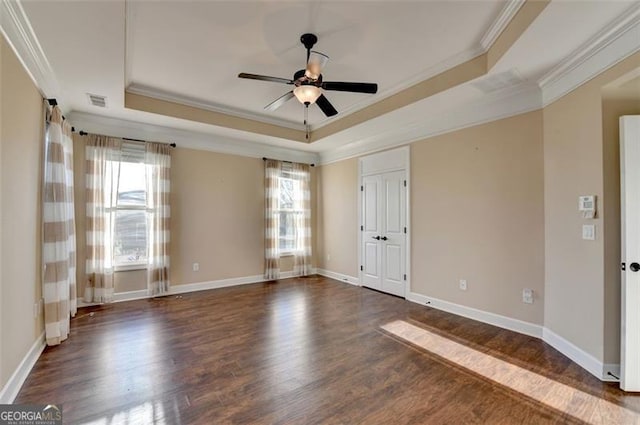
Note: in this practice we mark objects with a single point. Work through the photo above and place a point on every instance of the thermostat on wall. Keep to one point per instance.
(587, 206)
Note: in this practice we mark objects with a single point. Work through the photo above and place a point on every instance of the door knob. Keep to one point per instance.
(384, 238)
(376, 237)
(634, 267)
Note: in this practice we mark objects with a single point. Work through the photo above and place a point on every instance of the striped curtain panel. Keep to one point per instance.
(302, 204)
(102, 172)
(158, 160)
(59, 243)
(272, 169)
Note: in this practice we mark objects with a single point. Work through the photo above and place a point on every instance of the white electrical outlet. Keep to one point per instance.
(328, 257)
(527, 296)
(463, 284)
(196, 267)
(36, 309)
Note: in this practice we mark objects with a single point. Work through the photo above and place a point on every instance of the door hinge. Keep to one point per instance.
(405, 277)
(405, 230)
(361, 188)
(405, 183)
(623, 266)
(361, 268)
(361, 227)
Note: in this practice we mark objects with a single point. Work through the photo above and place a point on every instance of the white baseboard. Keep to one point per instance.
(339, 276)
(222, 283)
(581, 357)
(193, 287)
(505, 322)
(13, 385)
(568, 349)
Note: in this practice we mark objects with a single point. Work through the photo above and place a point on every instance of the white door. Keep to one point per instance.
(630, 207)
(371, 232)
(383, 232)
(393, 236)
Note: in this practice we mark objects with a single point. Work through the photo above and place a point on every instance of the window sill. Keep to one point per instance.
(287, 254)
(129, 267)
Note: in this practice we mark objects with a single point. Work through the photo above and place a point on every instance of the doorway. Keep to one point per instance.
(384, 218)
(630, 232)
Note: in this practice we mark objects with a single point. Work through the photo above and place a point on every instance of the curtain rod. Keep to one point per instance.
(173, 145)
(54, 102)
(288, 162)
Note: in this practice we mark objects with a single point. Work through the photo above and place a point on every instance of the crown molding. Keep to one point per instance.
(506, 15)
(504, 104)
(159, 94)
(614, 43)
(18, 32)
(117, 127)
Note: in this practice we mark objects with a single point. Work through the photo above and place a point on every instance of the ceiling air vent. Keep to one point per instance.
(495, 82)
(97, 100)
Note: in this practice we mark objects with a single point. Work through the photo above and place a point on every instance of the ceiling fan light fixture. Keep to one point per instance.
(307, 94)
(316, 62)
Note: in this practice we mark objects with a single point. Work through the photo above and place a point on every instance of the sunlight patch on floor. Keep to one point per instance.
(146, 413)
(556, 395)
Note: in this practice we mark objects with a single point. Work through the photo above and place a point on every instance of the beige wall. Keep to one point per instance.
(337, 240)
(477, 214)
(576, 164)
(217, 218)
(20, 165)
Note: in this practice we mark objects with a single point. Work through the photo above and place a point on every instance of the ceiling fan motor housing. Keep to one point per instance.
(300, 79)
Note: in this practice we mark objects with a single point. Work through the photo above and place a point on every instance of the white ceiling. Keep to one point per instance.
(193, 51)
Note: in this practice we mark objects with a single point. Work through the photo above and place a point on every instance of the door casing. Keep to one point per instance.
(393, 160)
(630, 253)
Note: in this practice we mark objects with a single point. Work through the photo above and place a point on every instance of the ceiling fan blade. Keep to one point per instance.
(279, 101)
(370, 88)
(265, 78)
(326, 106)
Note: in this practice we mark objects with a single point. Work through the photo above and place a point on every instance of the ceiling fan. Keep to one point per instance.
(308, 83)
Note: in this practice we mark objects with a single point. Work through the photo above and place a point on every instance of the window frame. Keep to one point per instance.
(285, 175)
(141, 264)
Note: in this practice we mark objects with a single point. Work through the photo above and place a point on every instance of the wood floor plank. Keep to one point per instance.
(299, 351)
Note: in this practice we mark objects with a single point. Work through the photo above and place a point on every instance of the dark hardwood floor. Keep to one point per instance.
(300, 351)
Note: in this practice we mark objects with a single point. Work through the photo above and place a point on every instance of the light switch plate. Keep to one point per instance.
(527, 296)
(589, 232)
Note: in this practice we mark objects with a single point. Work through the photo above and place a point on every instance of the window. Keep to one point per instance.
(287, 217)
(129, 215)
(289, 211)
